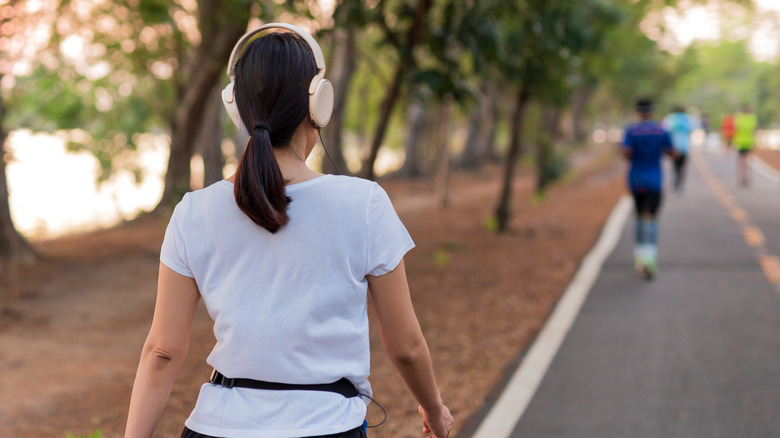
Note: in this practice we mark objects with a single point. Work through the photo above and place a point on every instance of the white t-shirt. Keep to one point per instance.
(289, 307)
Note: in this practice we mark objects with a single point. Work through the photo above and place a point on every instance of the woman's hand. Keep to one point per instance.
(406, 347)
(439, 425)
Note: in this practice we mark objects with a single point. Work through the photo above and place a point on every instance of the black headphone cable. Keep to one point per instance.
(319, 132)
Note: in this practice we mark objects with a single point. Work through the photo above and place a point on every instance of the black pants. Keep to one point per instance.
(647, 202)
(354, 433)
(679, 170)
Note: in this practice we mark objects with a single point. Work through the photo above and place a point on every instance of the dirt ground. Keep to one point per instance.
(70, 341)
(771, 157)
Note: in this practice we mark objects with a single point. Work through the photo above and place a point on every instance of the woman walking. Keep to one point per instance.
(283, 257)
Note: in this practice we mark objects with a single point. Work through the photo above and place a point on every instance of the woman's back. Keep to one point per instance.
(288, 307)
(283, 257)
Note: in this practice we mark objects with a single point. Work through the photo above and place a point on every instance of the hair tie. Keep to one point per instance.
(262, 126)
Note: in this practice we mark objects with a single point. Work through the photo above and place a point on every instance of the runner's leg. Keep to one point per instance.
(639, 229)
(683, 159)
(678, 163)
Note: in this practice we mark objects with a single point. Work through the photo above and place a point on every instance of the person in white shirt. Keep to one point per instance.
(283, 258)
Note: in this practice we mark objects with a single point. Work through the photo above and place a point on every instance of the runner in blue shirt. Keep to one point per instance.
(644, 145)
(680, 126)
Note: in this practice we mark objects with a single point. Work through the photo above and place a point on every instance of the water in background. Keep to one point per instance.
(53, 191)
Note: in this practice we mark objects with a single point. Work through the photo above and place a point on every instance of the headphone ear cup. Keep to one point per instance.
(229, 100)
(321, 103)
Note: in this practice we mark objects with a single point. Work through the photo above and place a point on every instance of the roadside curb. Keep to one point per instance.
(504, 414)
(765, 170)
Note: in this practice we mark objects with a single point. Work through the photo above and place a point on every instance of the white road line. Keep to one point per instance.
(765, 170)
(512, 402)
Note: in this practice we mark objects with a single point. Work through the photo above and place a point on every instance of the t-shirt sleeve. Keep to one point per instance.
(388, 239)
(173, 253)
(628, 140)
(667, 123)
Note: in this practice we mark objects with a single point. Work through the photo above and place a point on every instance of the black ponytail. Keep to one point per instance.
(272, 95)
(259, 187)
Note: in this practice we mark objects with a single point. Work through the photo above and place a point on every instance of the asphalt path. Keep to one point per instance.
(693, 353)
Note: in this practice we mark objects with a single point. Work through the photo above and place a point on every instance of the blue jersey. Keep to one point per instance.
(647, 141)
(680, 126)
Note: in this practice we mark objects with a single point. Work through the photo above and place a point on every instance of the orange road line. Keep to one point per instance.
(753, 235)
(739, 215)
(771, 266)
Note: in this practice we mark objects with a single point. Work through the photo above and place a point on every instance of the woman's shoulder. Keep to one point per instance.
(353, 184)
(197, 200)
(351, 191)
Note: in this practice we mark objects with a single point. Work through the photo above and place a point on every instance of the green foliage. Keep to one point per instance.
(491, 224)
(126, 79)
(542, 42)
(722, 77)
(551, 163)
(441, 258)
(538, 197)
(96, 434)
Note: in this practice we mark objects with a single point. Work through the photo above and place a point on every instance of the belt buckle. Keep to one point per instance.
(219, 379)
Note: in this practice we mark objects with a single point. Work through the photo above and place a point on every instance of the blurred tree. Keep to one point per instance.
(139, 69)
(543, 41)
(417, 122)
(209, 141)
(719, 78)
(221, 24)
(414, 20)
(13, 247)
(482, 124)
(350, 16)
(18, 26)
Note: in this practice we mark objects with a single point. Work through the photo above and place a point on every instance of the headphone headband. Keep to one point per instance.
(248, 37)
(321, 96)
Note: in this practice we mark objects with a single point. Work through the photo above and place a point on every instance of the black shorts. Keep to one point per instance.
(647, 202)
(743, 152)
(354, 433)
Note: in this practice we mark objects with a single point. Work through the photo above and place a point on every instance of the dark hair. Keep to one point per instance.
(271, 86)
(644, 105)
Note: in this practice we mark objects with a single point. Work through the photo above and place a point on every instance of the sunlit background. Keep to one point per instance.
(55, 191)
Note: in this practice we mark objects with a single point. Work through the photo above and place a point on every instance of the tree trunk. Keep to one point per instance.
(551, 121)
(492, 116)
(14, 248)
(391, 96)
(441, 184)
(220, 29)
(386, 110)
(210, 141)
(580, 102)
(470, 158)
(515, 148)
(416, 124)
(545, 173)
(342, 68)
(482, 126)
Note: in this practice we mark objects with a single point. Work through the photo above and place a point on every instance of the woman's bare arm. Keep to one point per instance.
(405, 345)
(164, 352)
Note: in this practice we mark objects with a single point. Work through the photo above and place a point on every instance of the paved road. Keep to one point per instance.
(695, 353)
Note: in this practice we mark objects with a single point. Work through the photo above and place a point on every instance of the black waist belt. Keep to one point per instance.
(341, 386)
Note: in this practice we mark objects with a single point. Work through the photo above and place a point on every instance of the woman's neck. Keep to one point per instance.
(293, 167)
(294, 170)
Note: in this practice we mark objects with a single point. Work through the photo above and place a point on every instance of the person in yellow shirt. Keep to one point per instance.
(745, 123)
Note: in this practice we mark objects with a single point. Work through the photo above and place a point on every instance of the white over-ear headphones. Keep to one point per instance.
(321, 95)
